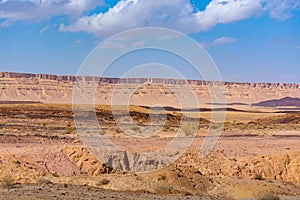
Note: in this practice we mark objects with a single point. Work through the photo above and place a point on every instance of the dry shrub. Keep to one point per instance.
(136, 129)
(269, 197)
(43, 181)
(103, 182)
(162, 177)
(7, 182)
(258, 177)
(164, 188)
(189, 129)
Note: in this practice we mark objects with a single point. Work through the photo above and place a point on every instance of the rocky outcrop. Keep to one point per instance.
(97, 161)
(284, 167)
(85, 161)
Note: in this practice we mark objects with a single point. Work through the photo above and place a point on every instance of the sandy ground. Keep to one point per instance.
(45, 159)
(29, 192)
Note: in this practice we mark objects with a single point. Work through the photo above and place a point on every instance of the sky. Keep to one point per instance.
(249, 40)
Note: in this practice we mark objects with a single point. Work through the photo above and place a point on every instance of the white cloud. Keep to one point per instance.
(176, 14)
(220, 41)
(126, 14)
(44, 29)
(223, 40)
(282, 9)
(233, 10)
(24, 10)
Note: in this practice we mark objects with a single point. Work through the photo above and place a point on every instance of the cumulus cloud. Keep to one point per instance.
(177, 14)
(218, 12)
(126, 14)
(24, 10)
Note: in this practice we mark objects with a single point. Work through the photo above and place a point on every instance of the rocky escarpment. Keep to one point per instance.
(284, 167)
(148, 91)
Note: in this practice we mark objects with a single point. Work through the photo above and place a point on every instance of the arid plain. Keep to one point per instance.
(257, 155)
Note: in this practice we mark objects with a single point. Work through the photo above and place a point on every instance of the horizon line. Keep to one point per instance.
(108, 77)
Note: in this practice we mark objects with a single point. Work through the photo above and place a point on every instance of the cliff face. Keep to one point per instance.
(13, 75)
(59, 89)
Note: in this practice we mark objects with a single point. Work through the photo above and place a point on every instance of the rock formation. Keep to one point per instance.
(150, 91)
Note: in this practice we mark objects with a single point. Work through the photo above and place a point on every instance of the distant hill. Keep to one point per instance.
(287, 101)
(47, 88)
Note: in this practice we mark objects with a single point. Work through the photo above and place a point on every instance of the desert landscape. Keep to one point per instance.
(42, 155)
(158, 100)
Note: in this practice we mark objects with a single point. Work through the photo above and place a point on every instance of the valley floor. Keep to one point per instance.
(42, 157)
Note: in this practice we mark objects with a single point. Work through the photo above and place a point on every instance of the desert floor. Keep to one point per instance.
(42, 156)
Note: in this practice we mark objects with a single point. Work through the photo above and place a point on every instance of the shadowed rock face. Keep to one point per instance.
(287, 101)
(36, 76)
(59, 89)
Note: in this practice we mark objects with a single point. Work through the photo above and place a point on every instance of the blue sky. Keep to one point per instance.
(249, 40)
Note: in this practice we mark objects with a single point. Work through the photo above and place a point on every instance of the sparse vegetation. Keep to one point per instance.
(117, 130)
(258, 177)
(43, 181)
(189, 129)
(17, 162)
(233, 159)
(269, 197)
(187, 193)
(102, 132)
(163, 188)
(69, 129)
(155, 136)
(55, 174)
(136, 129)
(167, 128)
(162, 177)
(215, 126)
(7, 182)
(103, 182)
